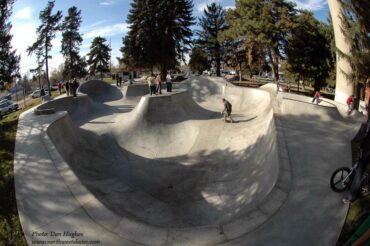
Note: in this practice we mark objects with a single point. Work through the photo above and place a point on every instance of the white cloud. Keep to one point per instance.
(312, 5)
(202, 5)
(92, 26)
(107, 31)
(108, 2)
(23, 14)
(229, 7)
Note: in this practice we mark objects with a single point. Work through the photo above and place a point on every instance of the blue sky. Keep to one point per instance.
(104, 18)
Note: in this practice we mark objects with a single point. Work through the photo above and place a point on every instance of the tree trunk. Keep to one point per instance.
(250, 55)
(70, 59)
(47, 69)
(218, 61)
(275, 64)
(38, 64)
(269, 53)
(240, 72)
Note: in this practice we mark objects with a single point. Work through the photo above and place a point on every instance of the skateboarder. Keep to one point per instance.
(227, 110)
(316, 97)
(349, 102)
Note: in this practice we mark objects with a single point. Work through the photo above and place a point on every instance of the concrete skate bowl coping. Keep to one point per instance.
(171, 171)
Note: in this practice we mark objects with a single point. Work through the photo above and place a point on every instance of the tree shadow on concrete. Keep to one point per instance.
(190, 190)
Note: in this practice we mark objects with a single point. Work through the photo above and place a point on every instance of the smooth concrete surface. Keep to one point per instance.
(166, 170)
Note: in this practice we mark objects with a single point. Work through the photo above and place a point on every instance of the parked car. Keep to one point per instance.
(36, 94)
(7, 106)
(54, 86)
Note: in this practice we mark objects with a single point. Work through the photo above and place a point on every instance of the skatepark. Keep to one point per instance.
(125, 168)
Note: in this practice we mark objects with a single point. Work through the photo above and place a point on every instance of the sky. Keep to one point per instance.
(106, 18)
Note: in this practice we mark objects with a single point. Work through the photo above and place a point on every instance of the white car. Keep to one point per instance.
(7, 106)
(36, 94)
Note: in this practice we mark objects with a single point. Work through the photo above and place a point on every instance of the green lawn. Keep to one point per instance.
(10, 228)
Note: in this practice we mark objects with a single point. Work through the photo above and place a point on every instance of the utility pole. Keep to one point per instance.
(110, 56)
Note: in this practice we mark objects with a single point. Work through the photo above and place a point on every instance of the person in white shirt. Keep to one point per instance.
(169, 82)
(152, 84)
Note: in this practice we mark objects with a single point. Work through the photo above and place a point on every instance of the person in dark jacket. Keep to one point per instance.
(227, 110)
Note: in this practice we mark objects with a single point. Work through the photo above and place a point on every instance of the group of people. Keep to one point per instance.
(155, 83)
(349, 102)
(118, 81)
(70, 86)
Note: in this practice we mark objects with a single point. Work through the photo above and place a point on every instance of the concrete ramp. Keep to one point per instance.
(100, 91)
(171, 172)
(137, 90)
(184, 166)
(77, 107)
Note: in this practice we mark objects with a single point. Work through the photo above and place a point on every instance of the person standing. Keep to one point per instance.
(74, 87)
(159, 84)
(227, 110)
(68, 86)
(349, 103)
(316, 97)
(152, 85)
(169, 82)
(60, 87)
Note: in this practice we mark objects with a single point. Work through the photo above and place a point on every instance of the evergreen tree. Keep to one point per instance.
(74, 65)
(9, 61)
(212, 24)
(140, 48)
(46, 32)
(198, 60)
(266, 24)
(309, 56)
(99, 56)
(159, 33)
(174, 33)
(356, 28)
(37, 71)
(235, 55)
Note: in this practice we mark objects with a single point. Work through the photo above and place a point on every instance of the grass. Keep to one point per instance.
(110, 81)
(10, 228)
(355, 212)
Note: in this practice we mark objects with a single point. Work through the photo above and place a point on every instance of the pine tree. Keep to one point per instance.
(37, 71)
(74, 65)
(308, 51)
(174, 33)
(198, 60)
(9, 61)
(356, 28)
(212, 24)
(266, 24)
(140, 46)
(46, 33)
(99, 56)
(159, 34)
